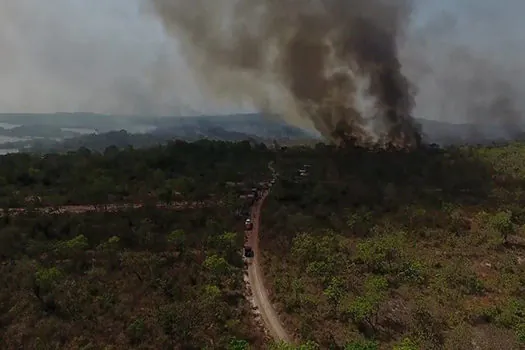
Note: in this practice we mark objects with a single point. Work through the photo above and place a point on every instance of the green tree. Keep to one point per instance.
(227, 242)
(73, 247)
(382, 253)
(136, 331)
(298, 289)
(309, 345)
(111, 245)
(502, 223)
(47, 278)
(238, 344)
(101, 186)
(406, 344)
(218, 267)
(177, 238)
(166, 195)
(335, 291)
(520, 333)
(362, 345)
(365, 308)
(211, 293)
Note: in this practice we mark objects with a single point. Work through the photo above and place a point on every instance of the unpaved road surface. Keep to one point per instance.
(79, 209)
(259, 293)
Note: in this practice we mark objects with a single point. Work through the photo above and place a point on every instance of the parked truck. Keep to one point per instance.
(248, 252)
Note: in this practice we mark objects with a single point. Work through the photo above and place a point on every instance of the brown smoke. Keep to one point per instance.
(332, 64)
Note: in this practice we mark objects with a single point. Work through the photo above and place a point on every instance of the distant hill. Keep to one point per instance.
(253, 124)
(256, 124)
(71, 120)
(447, 133)
(73, 130)
(61, 131)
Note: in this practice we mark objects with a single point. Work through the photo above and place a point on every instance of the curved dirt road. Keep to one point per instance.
(259, 292)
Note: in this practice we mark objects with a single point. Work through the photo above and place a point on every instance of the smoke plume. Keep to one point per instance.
(330, 64)
(468, 68)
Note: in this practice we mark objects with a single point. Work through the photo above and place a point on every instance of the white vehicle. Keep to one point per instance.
(248, 224)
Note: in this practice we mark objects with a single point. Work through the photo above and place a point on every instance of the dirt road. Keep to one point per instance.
(259, 293)
(79, 209)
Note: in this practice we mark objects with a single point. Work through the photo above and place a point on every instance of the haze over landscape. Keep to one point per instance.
(262, 174)
(114, 57)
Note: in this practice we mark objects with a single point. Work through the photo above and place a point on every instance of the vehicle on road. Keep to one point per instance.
(248, 252)
(248, 224)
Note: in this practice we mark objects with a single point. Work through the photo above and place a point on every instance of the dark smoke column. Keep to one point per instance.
(336, 60)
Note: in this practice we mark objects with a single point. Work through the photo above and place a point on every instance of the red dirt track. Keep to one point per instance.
(79, 209)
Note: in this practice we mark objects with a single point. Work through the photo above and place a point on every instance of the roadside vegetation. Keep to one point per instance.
(369, 249)
(144, 278)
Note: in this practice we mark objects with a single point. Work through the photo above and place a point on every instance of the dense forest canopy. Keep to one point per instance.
(198, 170)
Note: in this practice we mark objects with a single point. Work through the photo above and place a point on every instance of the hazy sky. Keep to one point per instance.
(107, 56)
(465, 56)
